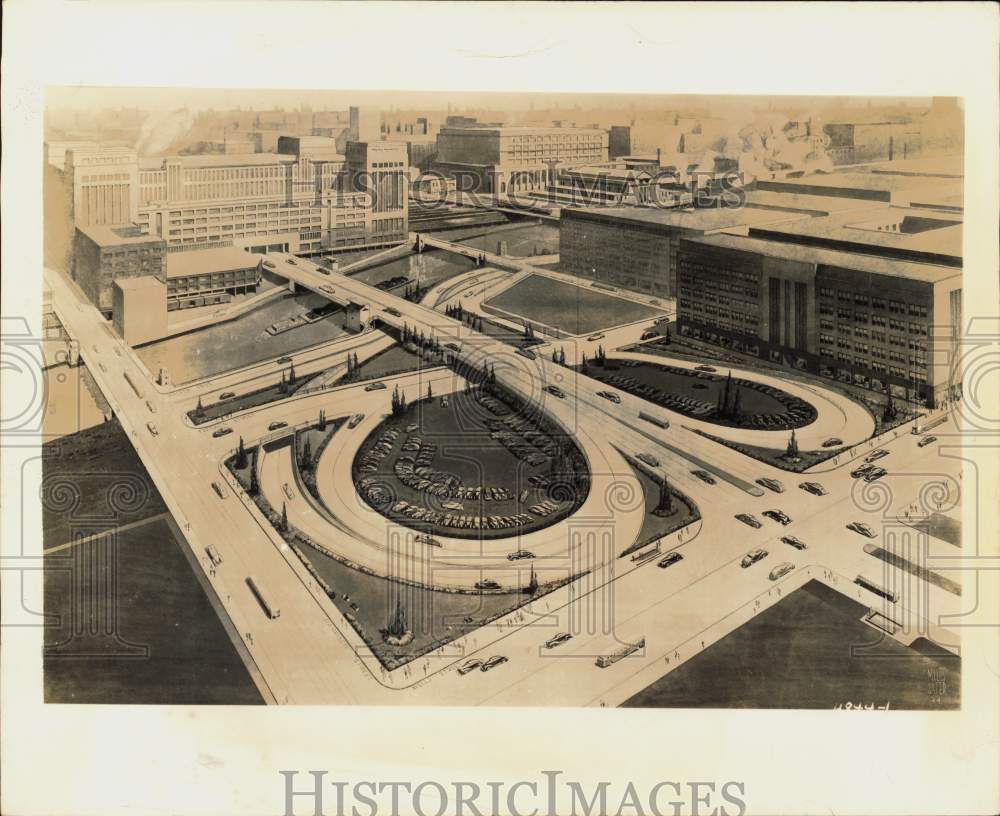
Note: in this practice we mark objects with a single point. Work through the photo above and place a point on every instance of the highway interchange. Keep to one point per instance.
(310, 654)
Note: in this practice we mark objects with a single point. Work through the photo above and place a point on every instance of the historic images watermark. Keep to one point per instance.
(315, 794)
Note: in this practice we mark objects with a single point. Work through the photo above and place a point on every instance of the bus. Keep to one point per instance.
(919, 427)
(871, 586)
(647, 555)
(135, 386)
(657, 421)
(630, 648)
(271, 611)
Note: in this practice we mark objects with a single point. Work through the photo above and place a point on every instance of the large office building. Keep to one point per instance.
(873, 321)
(102, 255)
(502, 159)
(305, 199)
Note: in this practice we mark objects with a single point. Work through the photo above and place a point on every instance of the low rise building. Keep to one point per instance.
(209, 276)
(139, 307)
(103, 254)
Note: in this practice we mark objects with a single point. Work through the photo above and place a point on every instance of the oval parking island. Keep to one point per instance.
(472, 467)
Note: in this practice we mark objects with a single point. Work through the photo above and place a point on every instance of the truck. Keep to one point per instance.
(270, 610)
(610, 659)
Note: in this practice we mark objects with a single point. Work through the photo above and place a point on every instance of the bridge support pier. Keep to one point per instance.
(291, 286)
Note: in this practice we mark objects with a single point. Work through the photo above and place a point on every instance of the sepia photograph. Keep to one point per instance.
(503, 399)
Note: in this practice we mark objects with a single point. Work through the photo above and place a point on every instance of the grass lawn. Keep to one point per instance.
(250, 399)
(394, 360)
(654, 526)
(170, 647)
(573, 309)
(460, 450)
(775, 456)
(93, 481)
(798, 654)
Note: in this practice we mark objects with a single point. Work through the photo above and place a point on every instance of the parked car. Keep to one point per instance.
(487, 583)
(861, 470)
(874, 474)
(595, 337)
(753, 557)
(792, 541)
(393, 311)
(470, 665)
(288, 491)
(747, 519)
(151, 407)
(221, 432)
(670, 559)
(611, 396)
(355, 420)
(771, 484)
(862, 528)
(493, 662)
(275, 425)
(324, 270)
(412, 427)
(813, 487)
(375, 386)
(778, 516)
(707, 368)
(927, 440)
(875, 455)
(284, 359)
(704, 475)
(832, 442)
(648, 458)
(520, 555)
(227, 395)
(782, 569)
(555, 391)
(291, 261)
(452, 346)
(423, 538)
(153, 429)
(557, 640)
(649, 335)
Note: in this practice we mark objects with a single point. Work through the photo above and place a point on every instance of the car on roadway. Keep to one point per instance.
(100, 365)
(862, 470)
(771, 484)
(268, 264)
(648, 459)
(151, 407)
(393, 311)
(813, 487)
(558, 640)
(324, 270)
(153, 429)
(355, 420)
(328, 289)
(753, 557)
(220, 490)
(862, 528)
(749, 520)
(875, 455)
(221, 432)
(469, 666)
(288, 491)
(778, 516)
(452, 346)
(283, 360)
(595, 337)
(291, 261)
(375, 386)
(927, 440)
(670, 559)
(520, 555)
(275, 425)
(792, 541)
(649, 335)
(412, 428)
(527, 353)
(493, 662)
(487, 583)
(832, 442)
(423, 538)
(227, 395)
(781, 570)
(611, 396)
(707, 368)
(555, 391)
(705, 476)
(875, 474)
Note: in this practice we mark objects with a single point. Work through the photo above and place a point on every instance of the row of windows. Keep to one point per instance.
(893, 306)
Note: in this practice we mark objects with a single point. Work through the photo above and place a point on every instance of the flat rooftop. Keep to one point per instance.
(916, 229)
(220, 160)
(150, 282)
(696, 220)
(952, 167)
(206, 261)
(926, 273)
(124, 235)
(914, 186)
(814, 205)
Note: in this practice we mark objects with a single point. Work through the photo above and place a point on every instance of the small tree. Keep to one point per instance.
(291, 374)
(666, 504)
(241, 455)
(254, 484)
(666, 335)
(283, 386)
(322, 419)
(533, 582)
(792, 451)
(284, 518)
(199, 407)
(430, 393)
(307, 455)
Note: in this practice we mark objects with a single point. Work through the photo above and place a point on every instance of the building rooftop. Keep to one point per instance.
(124, 235)
(696, 220)
(206, 261)
(952, 167)
(912, 229)
(814, 205)
(876, 265)
(139, 283)
(219, 160)
(898, 187)
(518, 130)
